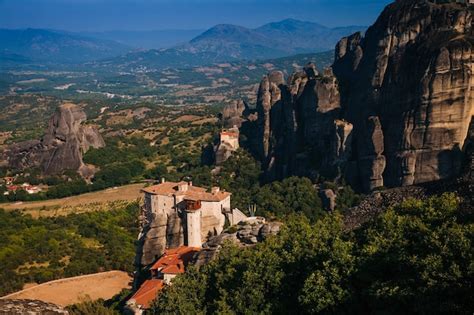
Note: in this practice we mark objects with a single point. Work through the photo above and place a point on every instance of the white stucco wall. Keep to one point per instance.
(193, 228)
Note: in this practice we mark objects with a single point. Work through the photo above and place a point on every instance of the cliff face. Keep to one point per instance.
(394, 110)
(62, 145)
(232, 114)
(299, 126)
(408, 90)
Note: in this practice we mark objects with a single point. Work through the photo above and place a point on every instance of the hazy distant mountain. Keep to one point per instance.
(306, 36)
(231, 42)
(54, 46)
(147, 39)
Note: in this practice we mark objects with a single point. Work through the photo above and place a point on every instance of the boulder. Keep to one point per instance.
(246, 233)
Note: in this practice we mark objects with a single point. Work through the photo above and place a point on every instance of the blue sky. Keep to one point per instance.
(100, 15)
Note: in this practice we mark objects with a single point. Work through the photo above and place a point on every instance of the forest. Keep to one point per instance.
(416, 258)
(44, 249)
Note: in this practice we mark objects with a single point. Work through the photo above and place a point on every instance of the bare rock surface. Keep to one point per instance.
(409, 91)
(61, 148)
(379, 201)
(246, 233)
(393, 110)
(30, 307)
(328, 198)
(232, 115)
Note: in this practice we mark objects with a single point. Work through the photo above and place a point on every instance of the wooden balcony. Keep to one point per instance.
(192, 205)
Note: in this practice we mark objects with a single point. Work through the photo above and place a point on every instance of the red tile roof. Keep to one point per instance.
(230, 134)
(191, 193)
(147, 292)
(175, 260)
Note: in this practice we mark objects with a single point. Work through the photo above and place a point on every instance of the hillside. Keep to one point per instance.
(226, 42)
(154, 39)
(41, 45)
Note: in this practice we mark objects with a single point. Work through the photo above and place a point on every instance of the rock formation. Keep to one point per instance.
(328, 199)
(299, 124)
(33, 307)
(247, 233)
(166, 230)
(232, 115)
(62, 146)
(408, 91)
(393, 110)
(162, 231)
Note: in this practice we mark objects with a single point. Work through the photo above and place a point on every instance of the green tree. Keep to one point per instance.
(185, 296)
(418, 258)
(292, 195)
(275, 277)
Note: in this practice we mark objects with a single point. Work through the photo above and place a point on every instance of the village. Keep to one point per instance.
(9, 185)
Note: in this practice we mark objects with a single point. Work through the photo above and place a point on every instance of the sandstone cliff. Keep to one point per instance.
(232, 115)
(409, 91)
(65, 141)
(393, 110)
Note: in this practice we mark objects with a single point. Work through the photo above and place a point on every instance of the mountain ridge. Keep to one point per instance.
(228, 42)
(43, 45)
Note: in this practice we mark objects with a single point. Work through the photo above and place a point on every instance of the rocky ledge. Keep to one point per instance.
(247, 233)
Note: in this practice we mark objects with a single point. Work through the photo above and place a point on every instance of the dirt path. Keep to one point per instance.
(128, 192)
(69, 291)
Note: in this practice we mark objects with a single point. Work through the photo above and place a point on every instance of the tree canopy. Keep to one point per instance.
(415, 258)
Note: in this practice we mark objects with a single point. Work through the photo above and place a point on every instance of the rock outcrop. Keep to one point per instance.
(33, 307)
(232, 115)
(166, 230)
(393, 110)
(162, 232)
(247, 233)
(299, 124)
(66, 139)
(409, 92)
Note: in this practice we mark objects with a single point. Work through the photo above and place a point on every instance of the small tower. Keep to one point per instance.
(193, 223)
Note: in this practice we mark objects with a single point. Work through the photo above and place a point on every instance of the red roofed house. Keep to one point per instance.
(173, 262)
(143, 298)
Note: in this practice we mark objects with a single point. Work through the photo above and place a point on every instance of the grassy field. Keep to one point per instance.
(74, 290)
(86, 202)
